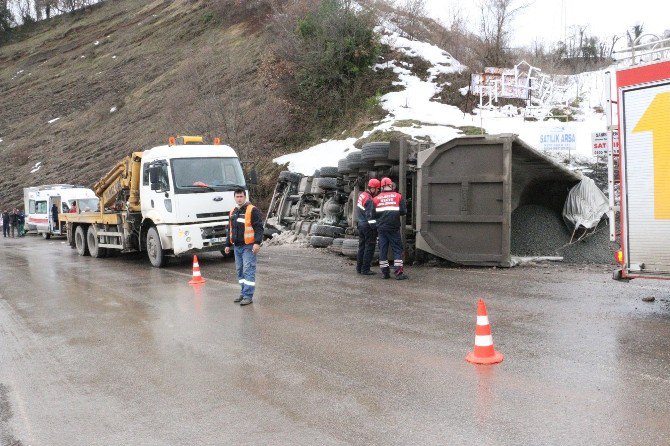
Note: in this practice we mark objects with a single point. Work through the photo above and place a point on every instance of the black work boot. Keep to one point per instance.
(400, 274)
(386, 273)
(246, 301)
(238, 299)
(368, 273)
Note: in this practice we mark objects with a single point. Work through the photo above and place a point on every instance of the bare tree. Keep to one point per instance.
(412, 12)
(637, 31)
(496, 21)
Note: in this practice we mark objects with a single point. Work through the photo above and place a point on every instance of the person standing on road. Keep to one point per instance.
(389, 207)
(12, 223)
(54, 216)
(367, 228)
(5, 223)
(245, 234)
(20, 221)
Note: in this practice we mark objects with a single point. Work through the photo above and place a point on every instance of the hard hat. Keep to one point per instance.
(386, 182)
(374, 183)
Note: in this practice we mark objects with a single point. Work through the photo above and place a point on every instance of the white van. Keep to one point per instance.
(39, 200)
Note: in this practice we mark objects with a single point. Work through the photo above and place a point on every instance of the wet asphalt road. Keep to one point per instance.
(112, 351)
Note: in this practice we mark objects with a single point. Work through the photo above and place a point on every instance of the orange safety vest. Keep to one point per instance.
(249, 235)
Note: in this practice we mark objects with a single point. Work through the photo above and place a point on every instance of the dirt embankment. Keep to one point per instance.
(81, 91)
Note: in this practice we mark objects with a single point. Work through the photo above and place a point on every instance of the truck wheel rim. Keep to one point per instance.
(152, 247)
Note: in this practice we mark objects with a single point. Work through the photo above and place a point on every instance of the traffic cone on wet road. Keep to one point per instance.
(484, 353)
(197, 277)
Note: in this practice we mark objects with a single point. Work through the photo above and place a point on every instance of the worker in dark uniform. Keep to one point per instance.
(389, 207)
(367, 228)
(54, 216)
(245, 235)
(5, 223)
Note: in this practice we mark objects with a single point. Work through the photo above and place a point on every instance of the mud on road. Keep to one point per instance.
(112, 351)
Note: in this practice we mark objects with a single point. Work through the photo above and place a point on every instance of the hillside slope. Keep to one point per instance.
(80, 91)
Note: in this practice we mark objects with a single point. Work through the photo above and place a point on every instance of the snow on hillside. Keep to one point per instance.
(439, 121)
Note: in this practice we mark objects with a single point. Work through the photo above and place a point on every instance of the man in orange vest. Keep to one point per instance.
(245, 234)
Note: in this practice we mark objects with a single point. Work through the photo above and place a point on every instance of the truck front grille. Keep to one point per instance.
(213, 232)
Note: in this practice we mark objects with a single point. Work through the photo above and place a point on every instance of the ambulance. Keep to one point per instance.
(38, 201)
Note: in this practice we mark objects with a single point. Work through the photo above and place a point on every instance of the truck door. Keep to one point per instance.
(157, 173)
(465, 201)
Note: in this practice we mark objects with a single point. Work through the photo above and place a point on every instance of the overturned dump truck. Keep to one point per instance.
(460, 195)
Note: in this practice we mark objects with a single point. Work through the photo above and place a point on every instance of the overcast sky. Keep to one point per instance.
(543, 19)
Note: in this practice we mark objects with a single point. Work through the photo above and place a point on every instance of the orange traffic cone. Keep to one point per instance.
(197, 278)
(484, 353)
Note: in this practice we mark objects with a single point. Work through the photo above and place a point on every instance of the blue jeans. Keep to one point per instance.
(245, 263)
(390, 239)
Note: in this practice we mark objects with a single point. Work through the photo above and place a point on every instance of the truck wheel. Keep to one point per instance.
(46, 235)
(318, 241)
(375, 151)
(350, 247)
(154, 248)
(329, 172)
(80, 241)
(327, 183)
(93, 244)
(327, 231)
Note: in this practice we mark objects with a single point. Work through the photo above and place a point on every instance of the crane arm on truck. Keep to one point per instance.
(123, 179)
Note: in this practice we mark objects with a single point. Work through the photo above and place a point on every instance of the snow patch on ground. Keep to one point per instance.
(325, 154)
(52, 120)
(36, 167)
(439, 122)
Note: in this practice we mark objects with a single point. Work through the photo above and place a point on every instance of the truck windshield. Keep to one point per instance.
(193, 175)
(88, 204)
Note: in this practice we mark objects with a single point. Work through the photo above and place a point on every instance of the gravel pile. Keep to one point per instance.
(540, 231)
(287, 237)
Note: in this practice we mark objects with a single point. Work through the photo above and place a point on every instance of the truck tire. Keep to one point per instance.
(289, 176)
(336, 247)
(316, 174)
(318, 241)
(329, 172)
(375, 151)
(350, 247)
(92, 242)
(46, 235)
(328, 230)
(327, 183)
(354, 160)
(80, 241)
(343, 166)
(154, 248)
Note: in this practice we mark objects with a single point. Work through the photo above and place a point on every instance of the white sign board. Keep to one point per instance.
(600, 143)
(558, 139)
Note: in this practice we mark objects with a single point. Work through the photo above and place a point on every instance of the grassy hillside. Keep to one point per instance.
(124, 76)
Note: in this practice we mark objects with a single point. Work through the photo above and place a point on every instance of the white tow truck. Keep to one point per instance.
(170, 200)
